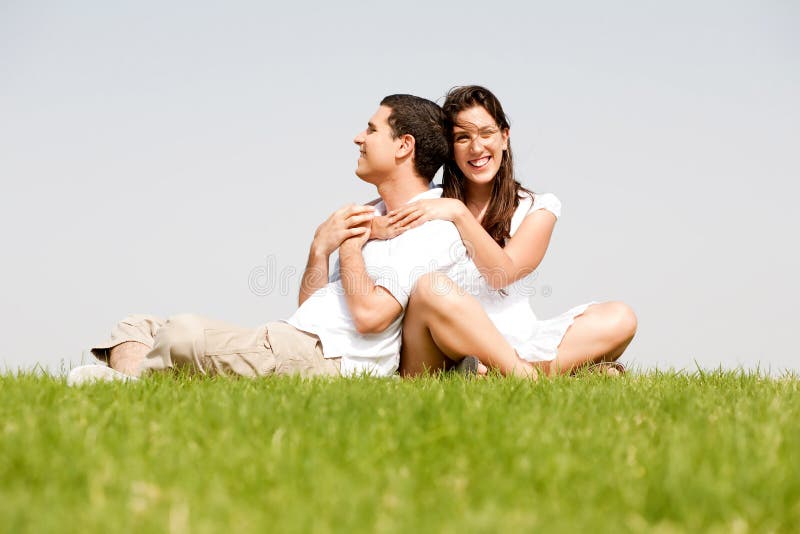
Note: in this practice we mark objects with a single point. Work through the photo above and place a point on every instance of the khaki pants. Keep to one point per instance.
(214, 347)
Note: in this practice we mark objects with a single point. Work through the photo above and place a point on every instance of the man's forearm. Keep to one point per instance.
(315, 276)
(357, 284)
(373, 309)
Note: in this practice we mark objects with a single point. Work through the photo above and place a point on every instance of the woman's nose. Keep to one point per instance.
(475, 145)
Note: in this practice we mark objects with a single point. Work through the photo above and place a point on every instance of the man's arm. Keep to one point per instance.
(372, 307)
(316, 274)
(341, 225)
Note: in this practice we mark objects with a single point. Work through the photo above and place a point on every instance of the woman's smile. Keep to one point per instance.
(480, 162)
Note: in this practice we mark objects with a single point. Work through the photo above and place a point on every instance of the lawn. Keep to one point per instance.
(664, 452)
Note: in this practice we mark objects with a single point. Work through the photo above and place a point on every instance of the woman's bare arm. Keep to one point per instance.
(499, 266)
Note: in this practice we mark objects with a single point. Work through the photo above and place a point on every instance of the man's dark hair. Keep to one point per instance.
(425, 122)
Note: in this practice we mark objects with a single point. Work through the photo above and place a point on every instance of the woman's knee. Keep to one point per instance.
(623, 320)
(434, 288)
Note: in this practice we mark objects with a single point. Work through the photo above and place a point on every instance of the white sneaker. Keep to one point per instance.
(86, 374)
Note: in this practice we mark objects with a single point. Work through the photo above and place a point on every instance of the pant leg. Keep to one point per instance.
(138, 327)
(299, 353)
(214, 347)
(209, 346)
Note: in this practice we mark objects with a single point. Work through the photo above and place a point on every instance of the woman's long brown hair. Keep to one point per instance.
(505, 189)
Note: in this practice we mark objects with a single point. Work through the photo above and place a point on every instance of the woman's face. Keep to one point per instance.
(478, 144)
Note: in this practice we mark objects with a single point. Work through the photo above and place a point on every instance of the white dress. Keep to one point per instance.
(534, 339)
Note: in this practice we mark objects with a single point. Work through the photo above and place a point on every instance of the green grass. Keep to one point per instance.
(665, 452)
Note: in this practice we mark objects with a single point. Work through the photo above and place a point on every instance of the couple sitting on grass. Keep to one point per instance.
(427, 279)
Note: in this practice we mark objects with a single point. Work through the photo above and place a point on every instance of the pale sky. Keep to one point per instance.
(153, 155)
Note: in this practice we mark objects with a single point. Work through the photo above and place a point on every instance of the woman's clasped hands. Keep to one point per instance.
(415, 214)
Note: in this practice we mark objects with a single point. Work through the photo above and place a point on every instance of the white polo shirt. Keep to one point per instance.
(395, 264)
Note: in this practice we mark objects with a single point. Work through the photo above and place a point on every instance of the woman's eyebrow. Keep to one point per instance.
(470, 126)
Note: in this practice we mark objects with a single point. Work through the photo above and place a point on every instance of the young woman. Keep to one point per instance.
(507, 229)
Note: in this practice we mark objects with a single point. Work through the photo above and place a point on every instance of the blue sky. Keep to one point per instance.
(153, 155)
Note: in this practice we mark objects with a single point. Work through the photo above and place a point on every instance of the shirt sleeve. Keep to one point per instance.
(546, 201)
(434, 246)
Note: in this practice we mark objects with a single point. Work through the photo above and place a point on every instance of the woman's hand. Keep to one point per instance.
(383, 228)
(419, 212)
(343, 224)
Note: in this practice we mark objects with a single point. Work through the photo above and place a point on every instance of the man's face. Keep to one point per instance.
(377, 148)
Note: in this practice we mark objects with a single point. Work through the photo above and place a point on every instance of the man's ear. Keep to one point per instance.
(406, 147)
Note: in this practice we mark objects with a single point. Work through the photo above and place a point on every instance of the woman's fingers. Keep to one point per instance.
(401, 212)
(396, 230)
(405, 208)
(411, 217)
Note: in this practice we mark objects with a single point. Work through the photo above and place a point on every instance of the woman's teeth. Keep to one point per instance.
(478, 163)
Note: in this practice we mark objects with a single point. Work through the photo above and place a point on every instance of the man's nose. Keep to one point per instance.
(359, 138)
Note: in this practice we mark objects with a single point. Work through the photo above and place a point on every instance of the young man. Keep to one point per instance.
(352, 323)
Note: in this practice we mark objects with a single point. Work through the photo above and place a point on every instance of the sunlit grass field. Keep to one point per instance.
(664, 452)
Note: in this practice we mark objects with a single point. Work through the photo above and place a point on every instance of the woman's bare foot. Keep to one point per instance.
(614, 369)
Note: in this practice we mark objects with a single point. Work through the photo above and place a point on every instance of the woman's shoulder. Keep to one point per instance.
(530, 202)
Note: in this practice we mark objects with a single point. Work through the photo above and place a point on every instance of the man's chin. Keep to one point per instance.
(364, 176)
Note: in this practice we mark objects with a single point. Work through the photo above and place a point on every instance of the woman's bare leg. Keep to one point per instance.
(442, 321)
(600, 334)
(419, 353)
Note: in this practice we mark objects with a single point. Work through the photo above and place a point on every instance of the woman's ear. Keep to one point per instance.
(505, 139)
(406, 147)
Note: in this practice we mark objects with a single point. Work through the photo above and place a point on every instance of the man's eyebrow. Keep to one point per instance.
(371, 126)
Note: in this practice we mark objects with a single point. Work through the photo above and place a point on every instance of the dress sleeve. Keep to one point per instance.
(546, 201)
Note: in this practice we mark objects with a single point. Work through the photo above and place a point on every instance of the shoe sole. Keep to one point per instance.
(467, 366)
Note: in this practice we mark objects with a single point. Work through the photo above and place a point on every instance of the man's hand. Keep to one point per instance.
(358, 241)
(345, 223)
(373, 308)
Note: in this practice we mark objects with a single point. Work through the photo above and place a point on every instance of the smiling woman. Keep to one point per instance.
(507, 230)
(478, 145)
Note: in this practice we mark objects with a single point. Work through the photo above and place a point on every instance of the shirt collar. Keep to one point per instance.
(434, 191)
